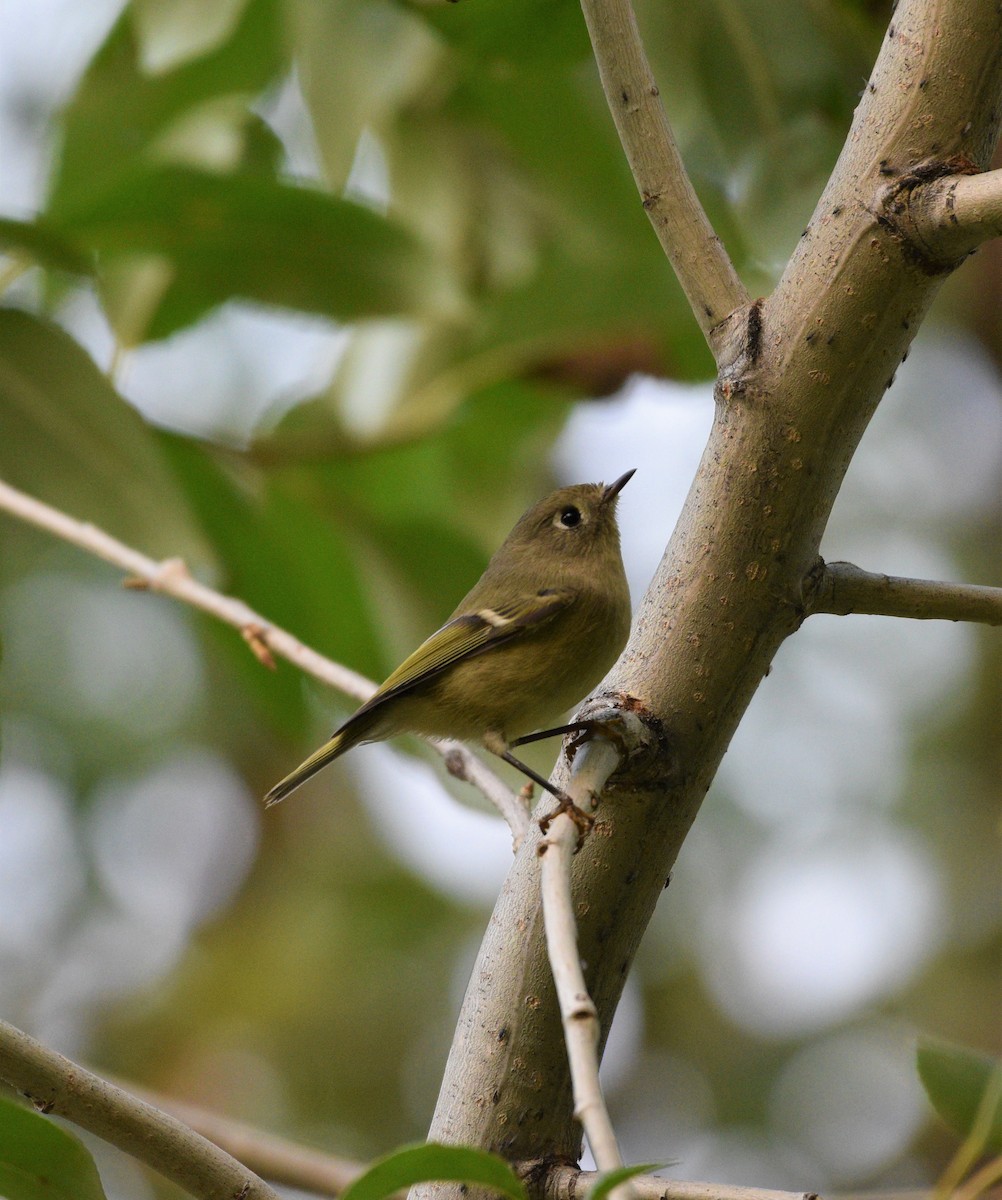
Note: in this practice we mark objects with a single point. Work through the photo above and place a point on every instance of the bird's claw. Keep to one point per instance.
(582, 820)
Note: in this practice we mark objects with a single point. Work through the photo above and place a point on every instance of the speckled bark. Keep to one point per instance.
(802, 373)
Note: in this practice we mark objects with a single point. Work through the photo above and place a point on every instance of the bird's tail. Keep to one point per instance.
(343, 739)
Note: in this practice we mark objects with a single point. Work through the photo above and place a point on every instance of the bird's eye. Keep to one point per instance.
(570, 516)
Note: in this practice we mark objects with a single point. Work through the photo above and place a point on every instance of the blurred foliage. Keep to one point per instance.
(41, 1161)
(965, 1089)
(439, 189)
(431, 1161)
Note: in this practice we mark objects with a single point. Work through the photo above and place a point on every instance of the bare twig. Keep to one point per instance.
(171, 577)
(276, 1159)
(594, 763)
(952, 215)
(980, 1181)
(287, 1163)
(567, 1183)
(843, 588)
(701, 263)
(55, 1084)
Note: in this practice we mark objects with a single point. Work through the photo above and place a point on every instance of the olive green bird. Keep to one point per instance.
(544, 623)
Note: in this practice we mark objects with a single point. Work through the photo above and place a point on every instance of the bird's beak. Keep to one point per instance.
(613, 490)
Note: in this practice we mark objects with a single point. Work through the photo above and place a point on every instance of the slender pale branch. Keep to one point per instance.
(55, 1084)
(287, 1163)
(981, 1181)
(951, 216)
(593, 765)
(842, 588)
(172, 579)
(701, 263)
(276, 1159)
(567, 1183)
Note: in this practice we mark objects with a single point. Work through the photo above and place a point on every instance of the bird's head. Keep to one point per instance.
(572, 522)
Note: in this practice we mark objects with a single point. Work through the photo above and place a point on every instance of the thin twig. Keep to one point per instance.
(276, 1159)
(172, 578)
(287, 1163)
(701, 263)
(594, 763)
(980, 1181)
(567, 1183)
(842, 588)
(55, 1084)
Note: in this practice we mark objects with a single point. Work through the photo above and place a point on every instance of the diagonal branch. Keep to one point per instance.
(166, 1128)
(55, 1084)
(172, 579)
(730, 588)
(842, 588)
(274, 1158)
(701, 263)
(289, 1164)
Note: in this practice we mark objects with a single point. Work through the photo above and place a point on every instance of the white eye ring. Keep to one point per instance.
(569, 517)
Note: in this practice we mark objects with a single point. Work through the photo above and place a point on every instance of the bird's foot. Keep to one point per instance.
(582, 820)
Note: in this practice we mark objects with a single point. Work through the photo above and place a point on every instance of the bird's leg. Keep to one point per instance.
(584, 821)
(565, 804)
(558, 731)
(496, 742)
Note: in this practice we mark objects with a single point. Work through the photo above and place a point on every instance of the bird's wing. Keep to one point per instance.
(470, 634)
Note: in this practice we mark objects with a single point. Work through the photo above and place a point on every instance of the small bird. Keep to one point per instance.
(539, 629)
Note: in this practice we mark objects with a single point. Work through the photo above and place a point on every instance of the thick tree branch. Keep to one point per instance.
(951, 215)
(842, 588)
(172, 579)
(701, 263)
(55, 1084)
(792, 404)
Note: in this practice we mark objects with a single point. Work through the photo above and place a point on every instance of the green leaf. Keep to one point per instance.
(41, 1161)
(431, 1161)
(71, 440)
(287, 560)
(360, 66)
(171, 32)
(47, 247)
(518, 31)
(957, 1081)
(611, 1179)
(120, 111)
(224, 236)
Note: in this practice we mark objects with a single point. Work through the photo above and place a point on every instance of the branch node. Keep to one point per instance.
(168, 572)
(256, 637)
(640, 738)
(753, 340)
(917, 208)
